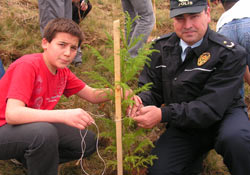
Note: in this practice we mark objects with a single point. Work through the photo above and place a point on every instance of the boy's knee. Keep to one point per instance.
(44, 134)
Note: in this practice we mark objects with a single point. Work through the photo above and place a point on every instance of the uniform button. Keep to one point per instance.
(175, 78)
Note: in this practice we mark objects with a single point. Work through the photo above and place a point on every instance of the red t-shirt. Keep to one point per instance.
(28, 79)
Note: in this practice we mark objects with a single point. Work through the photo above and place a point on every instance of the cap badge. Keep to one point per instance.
(203, 58)
(184, 3)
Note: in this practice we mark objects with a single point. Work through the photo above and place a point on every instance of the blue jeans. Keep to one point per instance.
(238, 31)
(1, 69)
(142, 26)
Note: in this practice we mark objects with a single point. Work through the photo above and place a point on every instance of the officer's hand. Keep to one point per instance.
(77, 118)
(148, 116)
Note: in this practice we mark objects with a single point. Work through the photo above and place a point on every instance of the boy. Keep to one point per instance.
(30, 131)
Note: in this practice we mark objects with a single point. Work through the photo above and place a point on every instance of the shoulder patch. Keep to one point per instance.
(223, 41)
(229, 44)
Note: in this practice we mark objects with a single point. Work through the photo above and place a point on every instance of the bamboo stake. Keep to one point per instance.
(118, 113)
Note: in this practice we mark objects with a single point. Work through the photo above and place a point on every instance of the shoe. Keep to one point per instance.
(78, 64)
(78, 58)
(16, 162)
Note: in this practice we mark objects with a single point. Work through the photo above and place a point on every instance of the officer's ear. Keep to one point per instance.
(207, 11)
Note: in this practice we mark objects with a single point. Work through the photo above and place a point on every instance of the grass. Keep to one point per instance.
(20, 34)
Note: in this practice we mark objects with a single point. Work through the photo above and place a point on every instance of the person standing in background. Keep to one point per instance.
(234, 23)
(143, 25)
(51, 9)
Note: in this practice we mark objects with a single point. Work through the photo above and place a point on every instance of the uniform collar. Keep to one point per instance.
(204, 44)
(184, 45)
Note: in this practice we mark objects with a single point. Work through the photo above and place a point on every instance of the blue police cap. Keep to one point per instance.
(179, 7)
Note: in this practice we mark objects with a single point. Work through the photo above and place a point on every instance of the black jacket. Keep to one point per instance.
(192, 94)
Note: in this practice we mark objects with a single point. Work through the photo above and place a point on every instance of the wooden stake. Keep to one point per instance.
(118, 111)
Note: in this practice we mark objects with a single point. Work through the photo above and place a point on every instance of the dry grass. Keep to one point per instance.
(19, 31)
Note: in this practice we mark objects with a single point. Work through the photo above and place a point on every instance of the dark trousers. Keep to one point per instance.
(178, 149)
(42, 146)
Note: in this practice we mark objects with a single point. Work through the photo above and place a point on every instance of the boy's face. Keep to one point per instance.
(60, 52)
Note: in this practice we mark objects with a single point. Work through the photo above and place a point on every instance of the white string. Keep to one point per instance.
(96, 115)
(83, 147)
(83, 143)
(102, 115)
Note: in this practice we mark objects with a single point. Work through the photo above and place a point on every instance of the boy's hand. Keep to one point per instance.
(148, 117)
(78, 118)
(131, 111)
(127, 93)
(84, 6)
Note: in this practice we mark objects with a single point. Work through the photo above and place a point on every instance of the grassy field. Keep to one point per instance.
(20, 34)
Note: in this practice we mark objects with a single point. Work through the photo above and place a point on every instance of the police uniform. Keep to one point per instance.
(200, 101)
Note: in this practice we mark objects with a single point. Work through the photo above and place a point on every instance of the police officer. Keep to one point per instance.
(196, 76)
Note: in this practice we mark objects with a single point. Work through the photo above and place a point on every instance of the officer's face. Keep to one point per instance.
(192, 27)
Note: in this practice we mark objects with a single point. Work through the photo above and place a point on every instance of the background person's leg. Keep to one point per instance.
(49, 10)
(127, 7)
(78, 58)
(67, 9)
(144, 25)
(68, 14)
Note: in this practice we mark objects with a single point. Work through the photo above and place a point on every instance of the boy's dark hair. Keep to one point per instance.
(62, 25)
